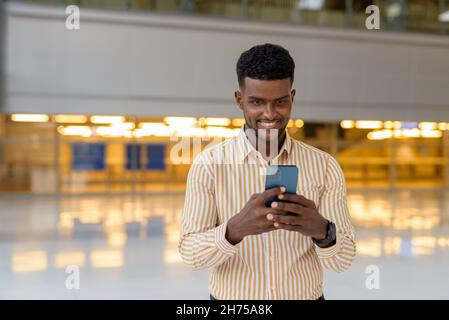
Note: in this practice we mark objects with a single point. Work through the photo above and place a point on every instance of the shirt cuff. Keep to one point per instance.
(221, 242)
(326, 253)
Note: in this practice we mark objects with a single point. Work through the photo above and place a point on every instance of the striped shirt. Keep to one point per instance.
(274, 265)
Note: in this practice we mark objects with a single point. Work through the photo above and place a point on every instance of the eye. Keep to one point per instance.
(256, 102)
(281, 102)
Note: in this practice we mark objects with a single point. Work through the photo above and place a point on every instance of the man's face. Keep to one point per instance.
(266, 105)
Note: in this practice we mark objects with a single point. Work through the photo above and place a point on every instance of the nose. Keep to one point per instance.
(270, 112)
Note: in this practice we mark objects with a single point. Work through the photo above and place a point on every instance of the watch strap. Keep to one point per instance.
(330, 236)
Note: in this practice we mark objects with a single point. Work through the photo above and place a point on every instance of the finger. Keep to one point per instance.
(288, 207)
(297, 198)
(291, 220)
(267, 194)
(270, 215)
(272, 211)
(287, 227)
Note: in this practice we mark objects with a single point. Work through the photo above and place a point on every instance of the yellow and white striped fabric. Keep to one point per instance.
(275, 265)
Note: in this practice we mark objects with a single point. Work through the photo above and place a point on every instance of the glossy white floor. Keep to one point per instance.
(126, 248)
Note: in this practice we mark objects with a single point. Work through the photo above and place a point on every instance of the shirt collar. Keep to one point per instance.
(244, 146)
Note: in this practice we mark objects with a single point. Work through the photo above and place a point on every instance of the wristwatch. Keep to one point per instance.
(330, 237)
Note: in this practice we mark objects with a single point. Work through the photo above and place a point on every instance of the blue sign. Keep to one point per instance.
(156, 156)
(88, 156)
(133, 156)
(409, 125)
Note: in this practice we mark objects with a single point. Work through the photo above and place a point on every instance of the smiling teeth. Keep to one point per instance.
(268, 124)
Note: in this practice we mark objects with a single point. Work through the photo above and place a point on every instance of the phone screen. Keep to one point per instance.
(281, 175)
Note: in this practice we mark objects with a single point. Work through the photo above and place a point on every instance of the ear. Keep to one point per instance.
(293, 94)
(238, 99)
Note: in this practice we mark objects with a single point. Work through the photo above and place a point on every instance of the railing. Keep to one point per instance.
(423, 16)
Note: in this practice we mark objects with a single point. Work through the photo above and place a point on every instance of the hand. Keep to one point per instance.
(307, 220)
(252, 219)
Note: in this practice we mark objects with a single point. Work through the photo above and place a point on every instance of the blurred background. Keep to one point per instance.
(88, 175)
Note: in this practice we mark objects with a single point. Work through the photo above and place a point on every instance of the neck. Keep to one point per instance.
(266, 154)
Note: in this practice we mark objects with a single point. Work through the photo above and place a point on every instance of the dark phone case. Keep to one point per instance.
(282, 175)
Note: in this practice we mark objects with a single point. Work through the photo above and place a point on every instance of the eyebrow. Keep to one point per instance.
(254, 97)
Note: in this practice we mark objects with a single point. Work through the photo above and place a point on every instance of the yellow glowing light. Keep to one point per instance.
(290, 123)
(29, 117)
(84, 131)
(388, 124)
(113, 219)
(380, 134)
(370, 247)
(164, 133)
(106, 258)
(152, 125)
(443, 242)
(238, 122)
(397, 124)
(90, 217)
(347, 124)
(421, 223)
(411, 133)
(443, 126)
(29, 261)
(69, 118)
(139, 133)
(423, 245)
(218, 121)
(299, 123)
(111, 131)
(128, 134)
(190, 132)
(68, 258)
(431, 133)
(392, 245)
(426, 126)
(397, 133)
(180, 121)
(106, 119)
(368, 124)
(124, 125)
(153, 128)
(221, 132)
(66, 221)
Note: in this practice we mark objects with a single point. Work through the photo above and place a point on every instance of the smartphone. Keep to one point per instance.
(281, 175)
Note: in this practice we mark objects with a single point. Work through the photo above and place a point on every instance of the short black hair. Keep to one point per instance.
(265, 62)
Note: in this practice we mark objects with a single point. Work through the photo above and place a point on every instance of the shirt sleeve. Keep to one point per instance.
(202, 242)
(333, 206)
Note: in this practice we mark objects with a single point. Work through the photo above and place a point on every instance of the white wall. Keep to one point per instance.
(150, 64)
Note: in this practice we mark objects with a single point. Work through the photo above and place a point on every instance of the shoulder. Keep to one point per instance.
(312, 154)
(311, 151)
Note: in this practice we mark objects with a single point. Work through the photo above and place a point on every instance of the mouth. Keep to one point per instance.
(268, 124)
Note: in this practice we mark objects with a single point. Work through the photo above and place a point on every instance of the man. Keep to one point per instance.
(255, 251)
